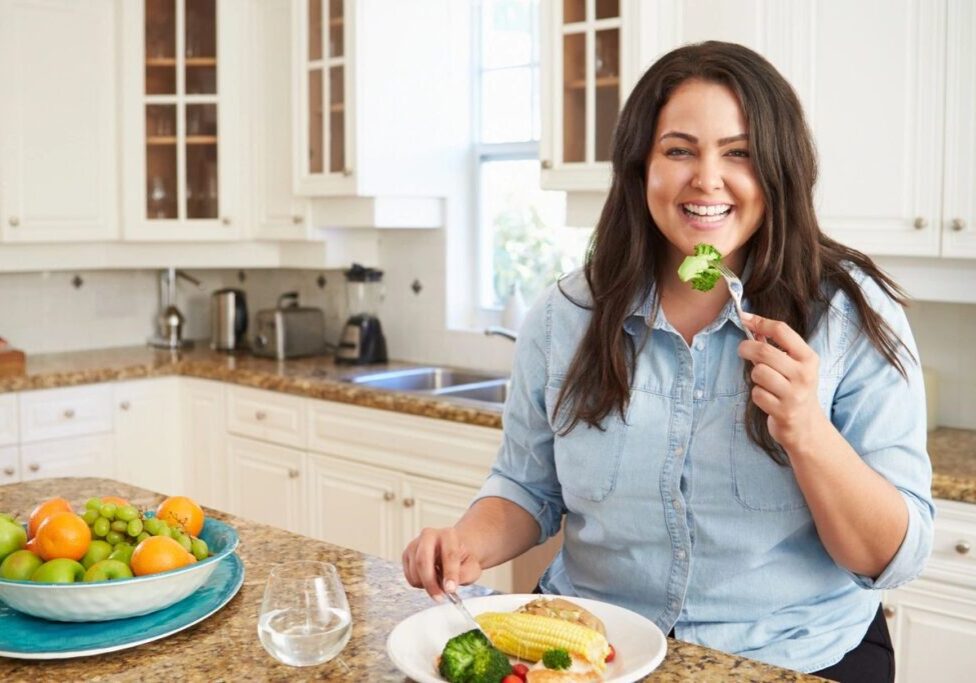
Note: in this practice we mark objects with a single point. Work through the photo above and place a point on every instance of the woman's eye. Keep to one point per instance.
(740, 153)
(676, 152)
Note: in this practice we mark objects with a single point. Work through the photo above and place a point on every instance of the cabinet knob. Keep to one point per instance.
(408, 502)
(297, 220)
(388, 496)
(9, 471)
(958, 224)
(33, 467)
(545, 163)
(260, 415)
(14, 221)
(293, 473)
(347, 172)
(225, 220)
(920, 223)
(69, 413)
(125, 405)
(889, 611)
(963, 547)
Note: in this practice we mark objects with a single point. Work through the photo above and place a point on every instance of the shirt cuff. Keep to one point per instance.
(499, 486)
(908, 562)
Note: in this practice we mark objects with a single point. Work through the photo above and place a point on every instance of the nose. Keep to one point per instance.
(708, 175)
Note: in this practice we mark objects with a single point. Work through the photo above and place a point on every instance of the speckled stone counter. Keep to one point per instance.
(953, 451)
(225, 647)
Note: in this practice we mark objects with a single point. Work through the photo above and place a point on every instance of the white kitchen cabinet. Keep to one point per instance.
(204, 434)
(267, 416)
(65, 412)
(184, 139)
(265, 483)
(9, 430)
(9, 465)
(147, 434)
(82, 456)
(372, 110)
(58, 170)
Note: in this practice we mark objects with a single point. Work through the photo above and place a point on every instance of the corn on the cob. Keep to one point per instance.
(527, 636)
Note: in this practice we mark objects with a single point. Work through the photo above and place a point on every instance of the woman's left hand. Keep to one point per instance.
(785, 381)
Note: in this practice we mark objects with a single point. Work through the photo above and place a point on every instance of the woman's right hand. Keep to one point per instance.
(438, 560)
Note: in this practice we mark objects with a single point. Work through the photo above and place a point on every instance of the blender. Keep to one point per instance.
(362, 338)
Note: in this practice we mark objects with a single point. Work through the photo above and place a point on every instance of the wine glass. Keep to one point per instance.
(304, 618)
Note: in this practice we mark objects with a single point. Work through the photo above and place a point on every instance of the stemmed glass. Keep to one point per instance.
(304, 618)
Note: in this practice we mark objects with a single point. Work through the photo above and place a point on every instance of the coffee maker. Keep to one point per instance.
(362, 338)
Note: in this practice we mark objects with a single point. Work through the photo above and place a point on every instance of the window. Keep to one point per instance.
(522, 236)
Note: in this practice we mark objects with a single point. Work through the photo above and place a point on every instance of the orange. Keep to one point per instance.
(63, 534)
(43, 511)
(158, 554)
(183, 512)
(115, 499)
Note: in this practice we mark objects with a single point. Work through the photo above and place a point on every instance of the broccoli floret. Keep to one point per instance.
(699, 269)
(556, 658)
(471, 658)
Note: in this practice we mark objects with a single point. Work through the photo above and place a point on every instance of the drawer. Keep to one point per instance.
(8, 420)
(9, 466)
(954, 542)
(266, 415)
(83, 456)
(59, 413)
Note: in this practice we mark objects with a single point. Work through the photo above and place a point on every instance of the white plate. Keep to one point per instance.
(415, 643)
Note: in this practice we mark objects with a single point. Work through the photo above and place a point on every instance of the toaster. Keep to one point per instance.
(289, 330)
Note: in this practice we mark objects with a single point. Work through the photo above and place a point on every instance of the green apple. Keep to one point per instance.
(61, 570)
(9, 517)
(122, 553)
(12, 537)
(97, 551)
(19, 565)
(108, 570)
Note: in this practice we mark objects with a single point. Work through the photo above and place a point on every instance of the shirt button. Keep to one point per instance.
(680, 554)
(679, 450)
(699, 345)
(674, 604)
(699, 393)
(676, 504)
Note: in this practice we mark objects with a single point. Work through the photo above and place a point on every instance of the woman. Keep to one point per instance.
(742, 493)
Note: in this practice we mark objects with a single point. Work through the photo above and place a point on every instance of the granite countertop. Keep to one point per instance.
(953, 451)
(226, 646)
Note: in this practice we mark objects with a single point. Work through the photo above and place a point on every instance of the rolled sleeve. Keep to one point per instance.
(524, 471)
(882, 416)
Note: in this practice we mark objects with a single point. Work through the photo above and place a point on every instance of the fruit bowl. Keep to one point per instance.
(105, 600)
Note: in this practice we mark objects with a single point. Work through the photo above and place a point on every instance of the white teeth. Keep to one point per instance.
(712, 210)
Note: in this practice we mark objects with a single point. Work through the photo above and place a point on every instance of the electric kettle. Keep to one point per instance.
(228, 319)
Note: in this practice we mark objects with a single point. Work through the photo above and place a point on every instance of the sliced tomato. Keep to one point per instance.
(613, 653)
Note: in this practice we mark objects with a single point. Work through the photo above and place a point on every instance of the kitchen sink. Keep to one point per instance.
(469, 385)
(495, 391)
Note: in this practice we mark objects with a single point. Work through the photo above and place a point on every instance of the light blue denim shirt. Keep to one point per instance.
(676, 514)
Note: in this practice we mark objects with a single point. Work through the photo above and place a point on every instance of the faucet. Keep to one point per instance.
(170, 320)
(501, 332)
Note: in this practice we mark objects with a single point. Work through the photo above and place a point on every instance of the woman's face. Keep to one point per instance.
(701, 183)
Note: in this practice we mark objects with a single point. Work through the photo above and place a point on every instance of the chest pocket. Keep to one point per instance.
(758, 482)
(587, 458)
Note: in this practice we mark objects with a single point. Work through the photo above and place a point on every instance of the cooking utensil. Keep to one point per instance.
(456, 601)
(735, 289)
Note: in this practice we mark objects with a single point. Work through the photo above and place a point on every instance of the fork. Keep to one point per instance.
(735, 289)
(456, 601)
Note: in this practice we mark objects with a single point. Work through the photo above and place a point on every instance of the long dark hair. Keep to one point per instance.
(792, 260)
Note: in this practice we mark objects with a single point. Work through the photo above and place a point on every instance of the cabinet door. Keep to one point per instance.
(9, 465)
(181, 119)
(204, 441)
(9, 429)
(147, 435)
(933, 630)
(436, 504)
(278, 213)
(265, 483)
(83, 456)
(959, 202)
(355, 506)
(57, 114)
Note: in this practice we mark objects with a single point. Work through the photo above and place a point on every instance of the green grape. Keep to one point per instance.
(93, 504)
(108, 510)
(198, 547)
(101, 527)
(113, 537)
(120, 526)
(134, 527)
(90, 516)
(127, 513)
(152, 525)
(183, 540)
(164, 530)
(142, 537)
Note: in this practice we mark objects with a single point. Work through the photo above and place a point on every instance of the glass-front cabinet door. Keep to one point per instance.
(323, 103)
(582, 72)
(179, 114)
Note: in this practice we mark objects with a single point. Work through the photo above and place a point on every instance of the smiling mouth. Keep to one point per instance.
(707, 214)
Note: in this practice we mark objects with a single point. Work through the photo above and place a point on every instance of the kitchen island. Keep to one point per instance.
(225, 647)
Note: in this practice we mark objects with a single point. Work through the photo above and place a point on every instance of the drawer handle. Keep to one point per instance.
(125, 405)
(260, 415)
(408, 502)
(9, 471)
(388, 496)
(33, 467)
(293, 473)
(963, 547)
(889, 611)
(69, 413)
(920, 223)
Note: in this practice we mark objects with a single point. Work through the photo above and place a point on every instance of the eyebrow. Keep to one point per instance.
(694, 140)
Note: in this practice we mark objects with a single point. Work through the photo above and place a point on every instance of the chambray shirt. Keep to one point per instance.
(675, 514)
